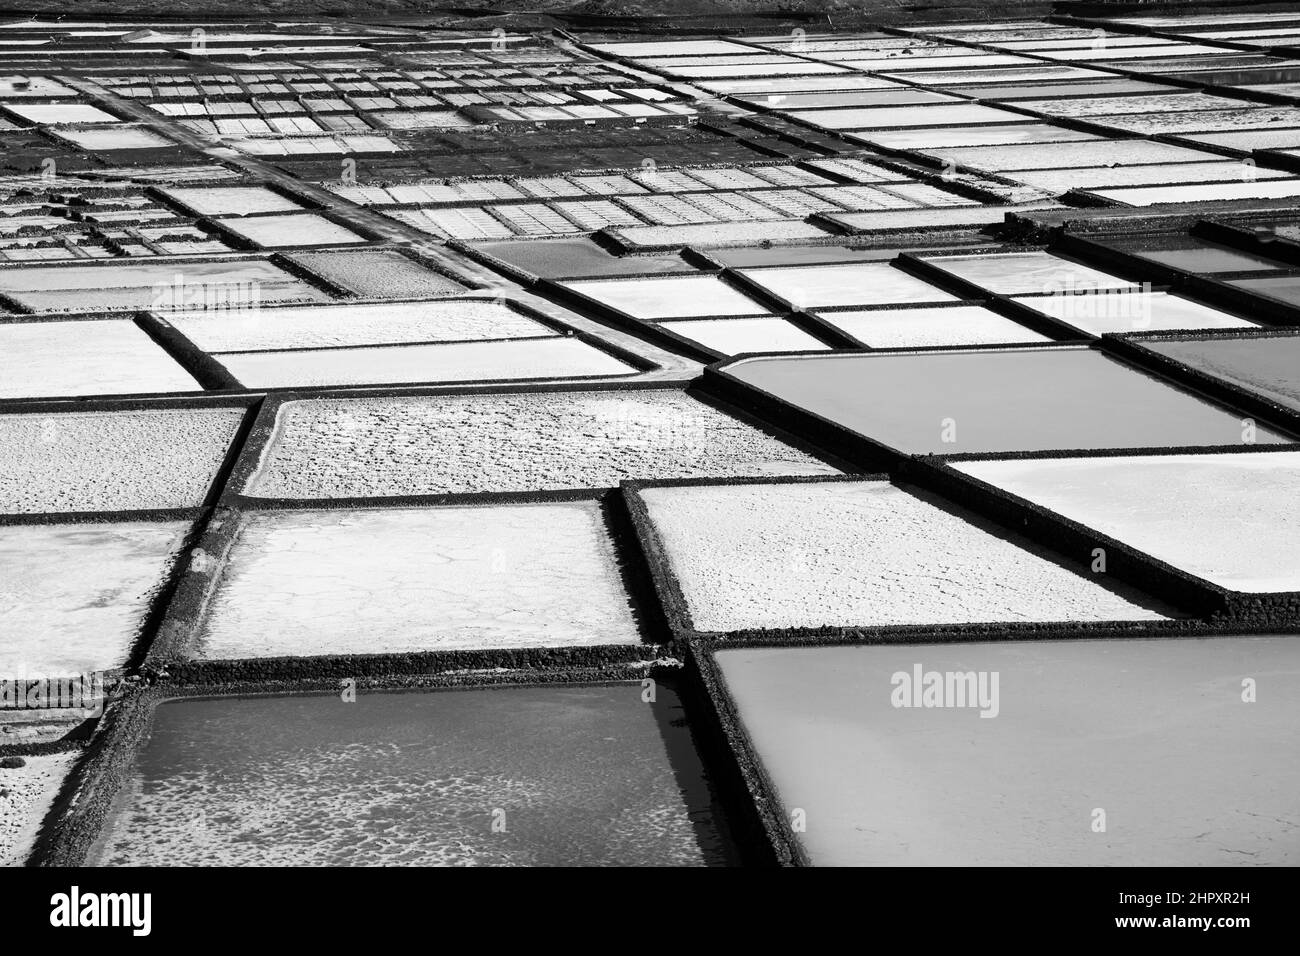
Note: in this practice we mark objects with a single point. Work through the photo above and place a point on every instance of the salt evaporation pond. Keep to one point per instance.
(1027, 273)
(732, 336)
(230, 200)
(1267, 365)
(1123, 310)
(377, 273)
(331, 326)
(856, 554)
(927, 327)
(669, 297)
(987, 400)
(825, 286)
(115, 137)
(30, 793)
(1232, 519)
(155, 285)
(112, 460)
(542, 358)
(1211, 782)
(534, 575)
(1197, 256)
(74, 596)
(397, 445)
(578, 257)
(571, 775)
(104, 357)
(278, 231)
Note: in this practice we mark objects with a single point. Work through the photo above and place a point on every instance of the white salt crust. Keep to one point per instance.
(73, 596)
(437, 444)
(859, 554)
(1232, 519)
(103, 357)
(112, 460)
(301, 327)
(29, 794)
(388, 581)
(541, 358)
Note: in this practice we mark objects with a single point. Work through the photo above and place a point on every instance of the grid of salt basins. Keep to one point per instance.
(761, 435)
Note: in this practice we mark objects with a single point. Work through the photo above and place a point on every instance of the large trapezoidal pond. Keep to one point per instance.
(997, 400)
(1120, 753)
(550, 775)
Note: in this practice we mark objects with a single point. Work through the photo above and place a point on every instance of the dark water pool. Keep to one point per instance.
(569, 775)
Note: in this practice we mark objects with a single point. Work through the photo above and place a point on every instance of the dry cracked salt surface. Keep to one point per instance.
(103, 357)
(331, 326)
(329, 448)
(1152, 731)
(1232, 519)
(378, 273)
(26, 796)
(74, 596)
(112, 460)
(400, 580)
(575, 776)
(853, 554)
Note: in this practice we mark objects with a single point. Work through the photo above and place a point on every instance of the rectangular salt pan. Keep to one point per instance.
(31, 791)
(1027, 273)
(579, 775)
(669, 297)
(268, 329)
(547, 358)
(860, 554)
(988, 401)
(845, 285)
(428, 579)
(924, 328)
(510, 442)
(1131, 311)
(106, 357)
(1267, 365)
(179, 285)
(230, 200)
(74, 596)
(733, 336)
(293, 229)
(378, 273)
(1210, 783)
(112, 460)
(1231, 519)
